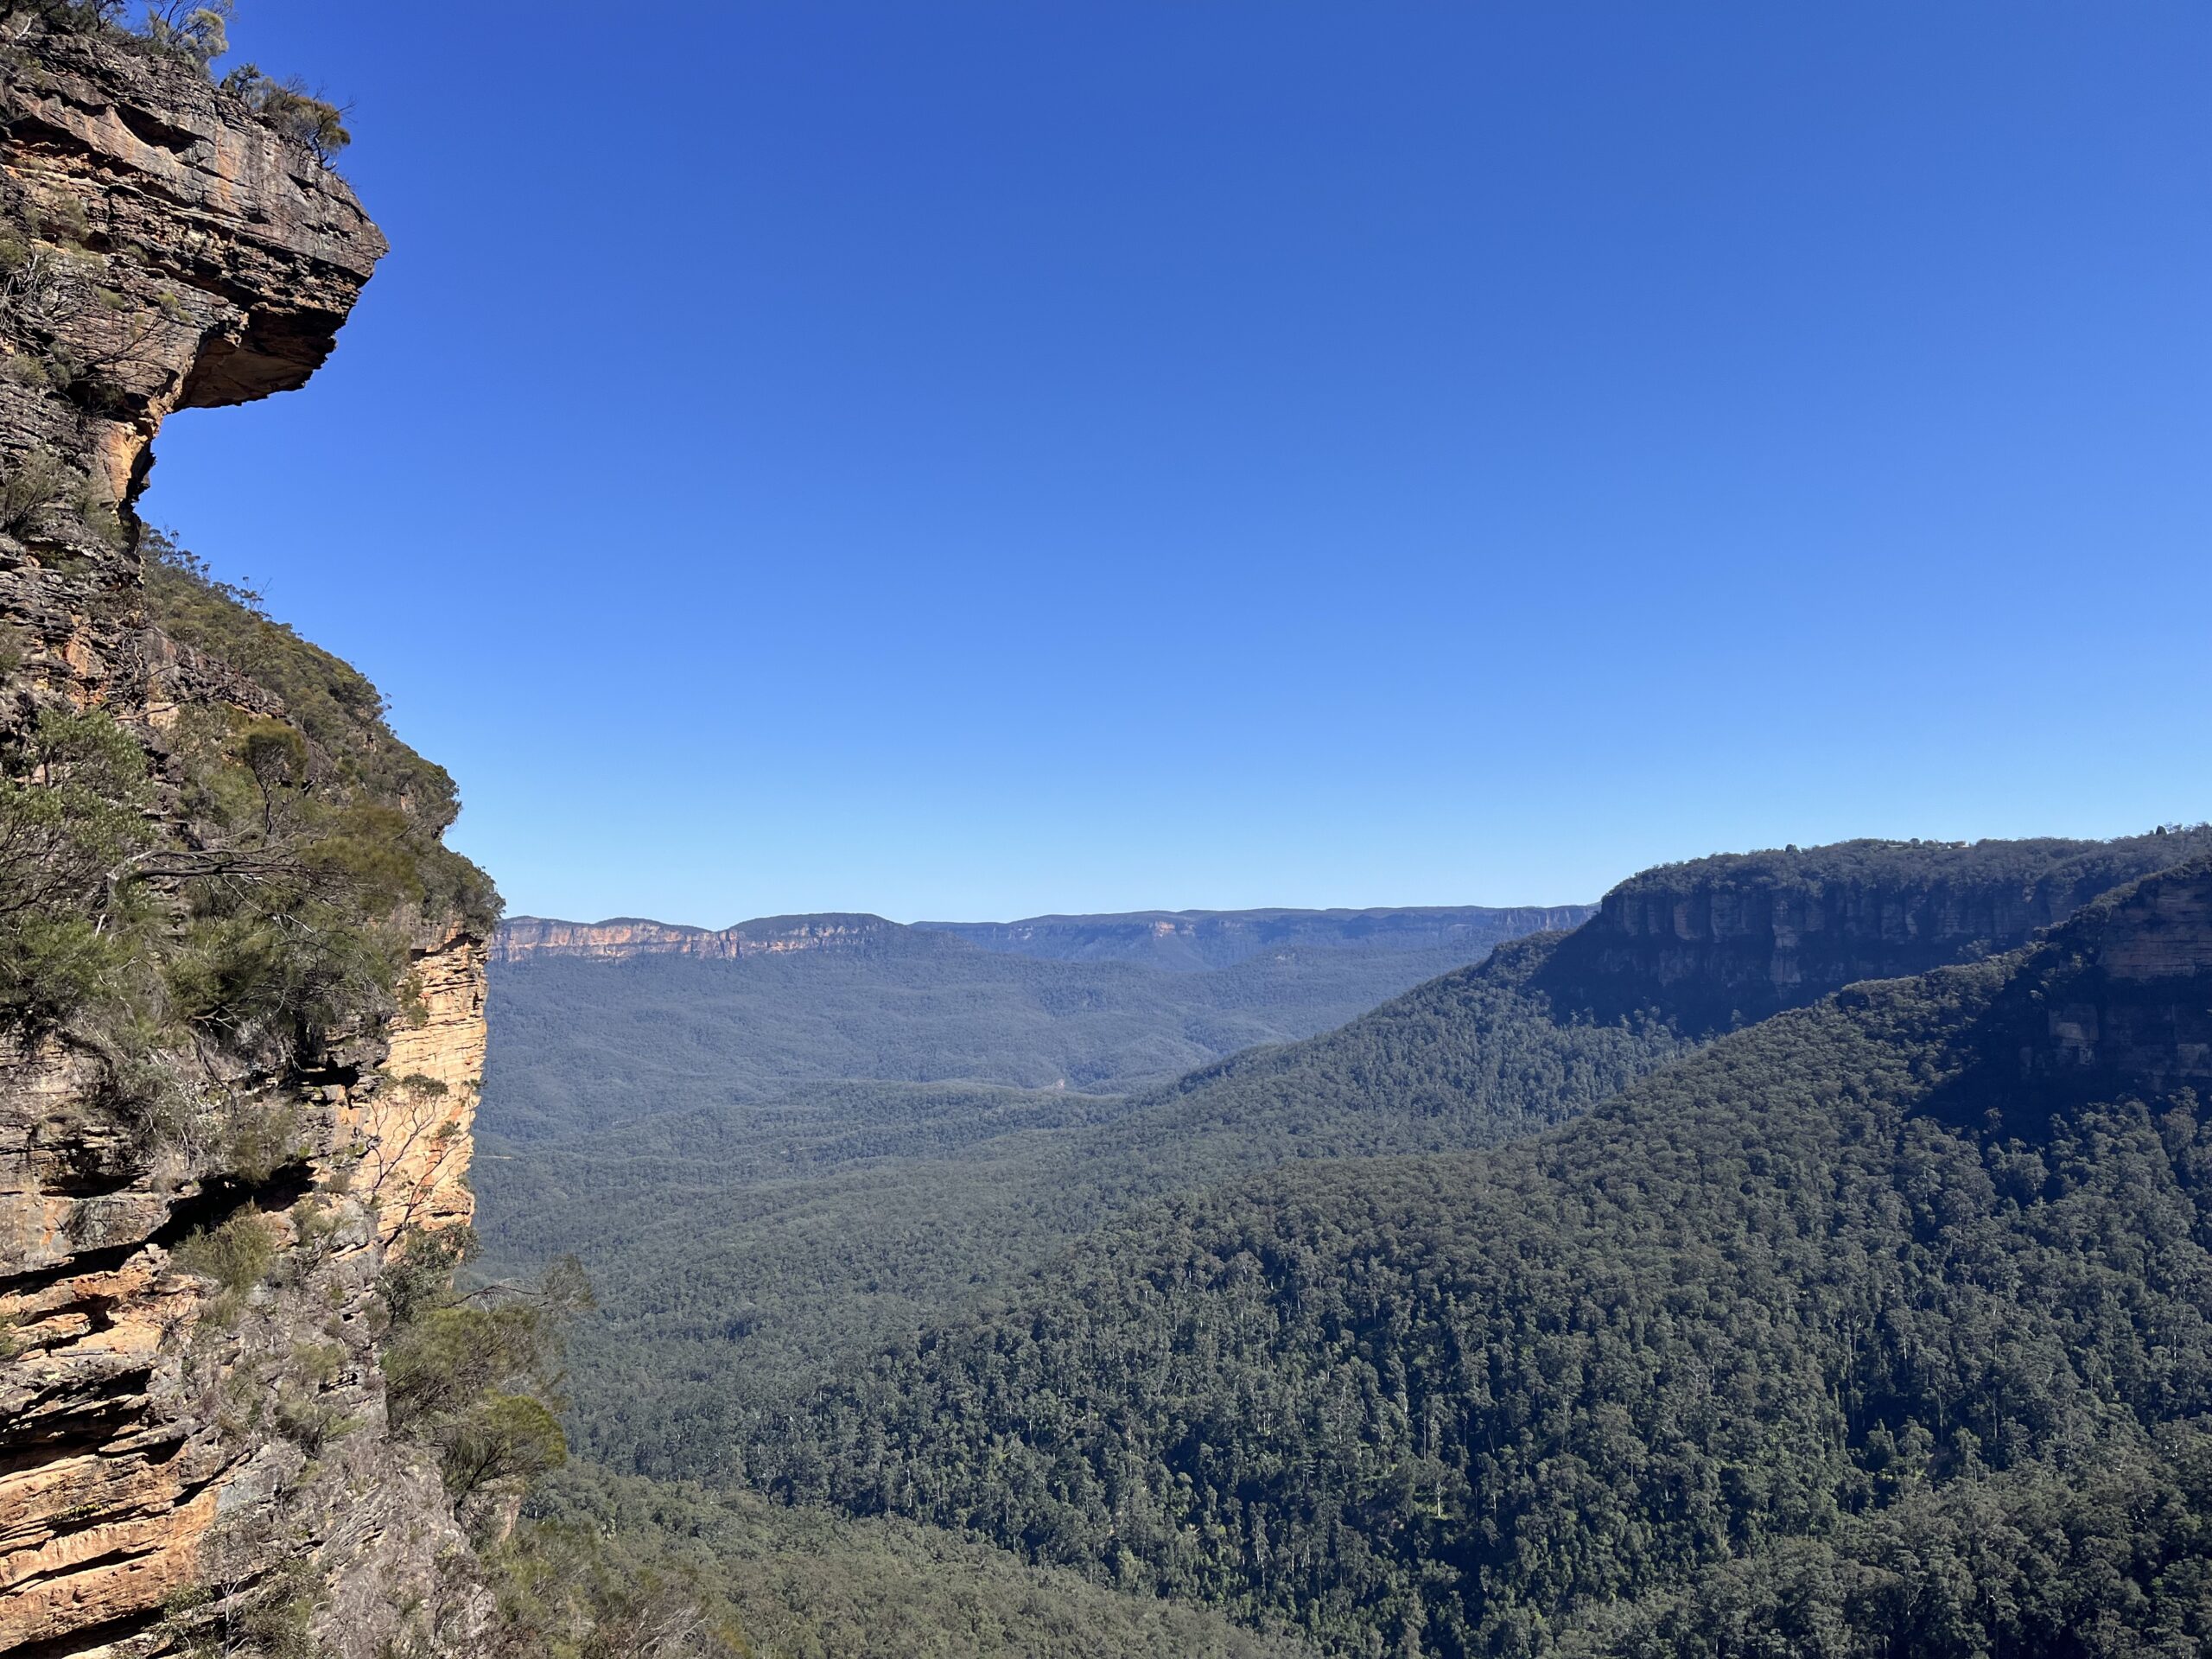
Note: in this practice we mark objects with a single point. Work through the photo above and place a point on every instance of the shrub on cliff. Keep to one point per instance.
(474, 1377)
(235, 1254)
(36, 483)
(73, 821)
(291, 109)
(243, 892)
(573, 1591)
(196, 30)
(336, 708)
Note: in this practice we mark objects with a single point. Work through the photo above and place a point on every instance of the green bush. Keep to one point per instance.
(37, 482)
(259, 1137)
(504, 1440)
(288, 108)
(571, 1592)
(473, 1378)
(400, 803)
(73, 823)
(235, 1254)
(195, 30)
(52, 965)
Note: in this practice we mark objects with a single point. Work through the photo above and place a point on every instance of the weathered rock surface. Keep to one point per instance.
(158, 1436)
(1719, 941)
(2139, 1007)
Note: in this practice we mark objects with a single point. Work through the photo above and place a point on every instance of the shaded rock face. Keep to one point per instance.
(2139, 1007)
(198, 260)
(159, 1436)
(1723, 941)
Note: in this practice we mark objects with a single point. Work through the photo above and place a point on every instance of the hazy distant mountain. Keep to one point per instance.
(523, 937)
(1185, 940)
(1188, 940)
(603, 1022)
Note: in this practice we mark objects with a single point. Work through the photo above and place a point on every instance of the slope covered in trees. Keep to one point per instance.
(747, 1252)
(812, 1584)
(1879, 1327)
(744, 1254)
(587, 1045)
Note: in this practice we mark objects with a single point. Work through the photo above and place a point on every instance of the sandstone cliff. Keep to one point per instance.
(181, 1437)
(520, 938)
(2138, 1005)
(1720, 941)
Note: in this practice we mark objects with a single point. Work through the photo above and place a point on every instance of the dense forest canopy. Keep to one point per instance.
(593, 1043)
(746, 1251)
(1850, 1333)
(750, 1251)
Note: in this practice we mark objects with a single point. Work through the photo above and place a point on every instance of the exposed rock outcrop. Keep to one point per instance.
(164, 1435)
(521, 938)
(1721, 941)
(2139, 1006)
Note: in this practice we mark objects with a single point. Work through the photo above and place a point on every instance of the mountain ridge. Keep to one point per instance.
(1481, 1054)
(1191, 940)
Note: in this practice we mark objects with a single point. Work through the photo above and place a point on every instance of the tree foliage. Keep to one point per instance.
(1844, 1334)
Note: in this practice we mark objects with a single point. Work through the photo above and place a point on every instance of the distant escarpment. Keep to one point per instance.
(1185, 941)
(1191, 940)
(1725, 941)
(241, 979)
(522, 938)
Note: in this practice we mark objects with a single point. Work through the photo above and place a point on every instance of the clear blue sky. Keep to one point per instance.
(962, 461)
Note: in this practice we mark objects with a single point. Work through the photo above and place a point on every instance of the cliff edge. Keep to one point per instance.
(241, 980)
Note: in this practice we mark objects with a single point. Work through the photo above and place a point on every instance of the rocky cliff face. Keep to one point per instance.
(522, 938)
(1720, 941)
(2138, 1006)
(185, 1436)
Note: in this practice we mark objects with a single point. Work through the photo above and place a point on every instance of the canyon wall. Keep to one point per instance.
(175, 1444)
(1721, 941)
(2138, 1006)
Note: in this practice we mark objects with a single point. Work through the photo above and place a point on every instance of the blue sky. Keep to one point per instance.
(962, 461)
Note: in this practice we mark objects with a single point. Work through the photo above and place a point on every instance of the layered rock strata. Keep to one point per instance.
(1721, 941)
(164, 1439)
(522, 938)
(2138, 1007)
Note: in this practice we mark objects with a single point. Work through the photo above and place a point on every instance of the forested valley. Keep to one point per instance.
(1263, 451)
(1558, 1305)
